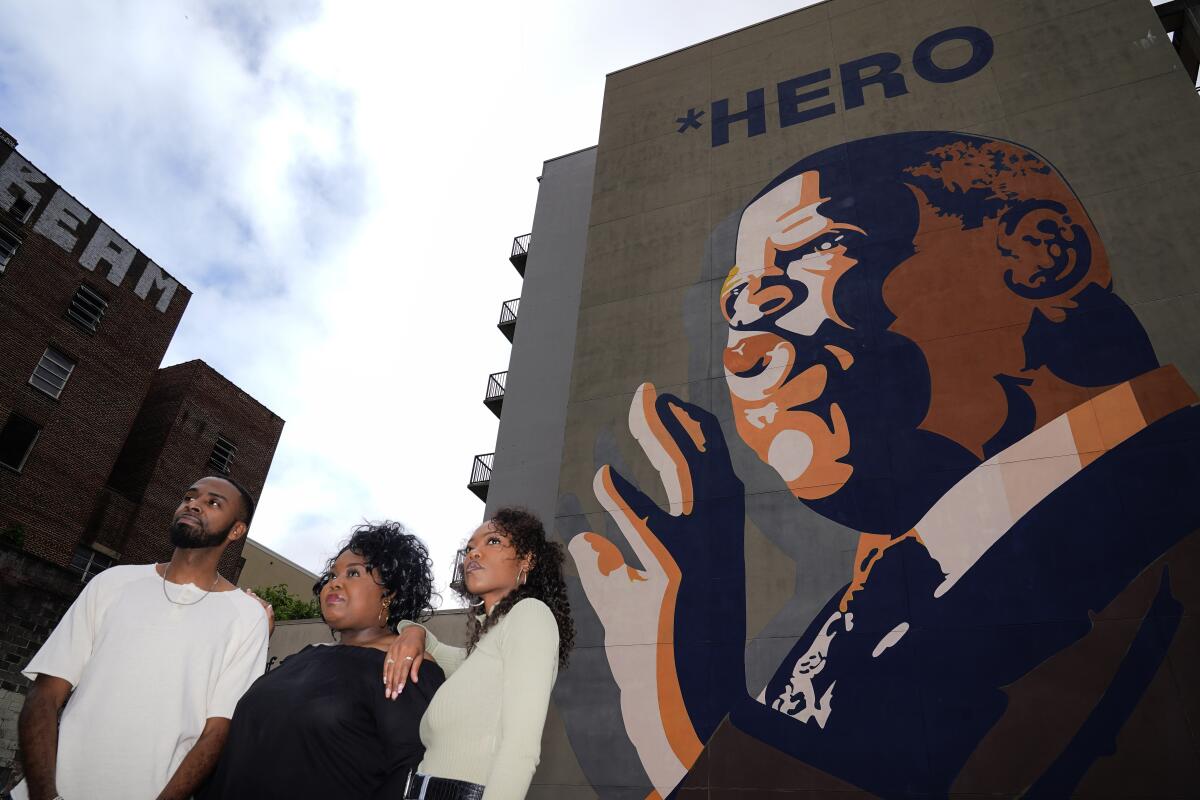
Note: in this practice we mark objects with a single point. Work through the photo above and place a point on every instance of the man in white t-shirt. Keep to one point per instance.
(153, 658)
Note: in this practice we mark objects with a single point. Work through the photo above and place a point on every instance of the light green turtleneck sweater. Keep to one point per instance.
(485, 723)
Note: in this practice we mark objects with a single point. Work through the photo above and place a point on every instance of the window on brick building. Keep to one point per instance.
(222, 455)
(16, 440)
(52, 372)
(87, 308)
(10, 242)
(21, 207)
(89, 563)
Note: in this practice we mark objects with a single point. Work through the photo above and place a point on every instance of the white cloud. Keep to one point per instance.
(338, 183)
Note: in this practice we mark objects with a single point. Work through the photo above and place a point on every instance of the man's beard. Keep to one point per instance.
(195, 537)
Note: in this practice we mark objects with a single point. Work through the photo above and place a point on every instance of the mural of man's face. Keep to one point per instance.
(788, 344)
(862, 352)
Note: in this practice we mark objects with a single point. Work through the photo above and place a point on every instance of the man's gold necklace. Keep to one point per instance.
(166, 567)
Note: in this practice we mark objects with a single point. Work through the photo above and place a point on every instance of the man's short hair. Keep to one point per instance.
(247, 498)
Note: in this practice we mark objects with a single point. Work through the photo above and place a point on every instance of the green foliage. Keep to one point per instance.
(288, 606)
(13, 534)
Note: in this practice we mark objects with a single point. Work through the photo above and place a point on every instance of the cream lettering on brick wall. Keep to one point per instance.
(64, 221)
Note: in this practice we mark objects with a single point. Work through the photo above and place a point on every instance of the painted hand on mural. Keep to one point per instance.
(663, 623)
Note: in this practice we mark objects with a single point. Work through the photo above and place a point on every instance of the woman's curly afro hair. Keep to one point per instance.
(544, 580)
(405, 568)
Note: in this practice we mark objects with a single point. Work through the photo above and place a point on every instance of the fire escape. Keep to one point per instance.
(493, 397)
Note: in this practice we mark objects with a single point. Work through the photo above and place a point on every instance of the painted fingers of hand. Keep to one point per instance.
(635, 516)
(648, 427)
(626, 600)
(630, 605)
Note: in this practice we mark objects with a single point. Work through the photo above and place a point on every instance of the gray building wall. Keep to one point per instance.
(530, 440)
(292, 636)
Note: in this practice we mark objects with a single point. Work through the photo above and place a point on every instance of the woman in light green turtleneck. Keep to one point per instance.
(482, 731)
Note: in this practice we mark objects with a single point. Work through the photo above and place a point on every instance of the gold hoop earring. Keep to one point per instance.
(521, 577)
(383, 612)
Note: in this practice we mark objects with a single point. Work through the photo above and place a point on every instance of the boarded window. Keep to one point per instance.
(87, 308)
(52, 372)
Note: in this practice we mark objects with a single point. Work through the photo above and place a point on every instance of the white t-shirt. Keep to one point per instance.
(147, 674)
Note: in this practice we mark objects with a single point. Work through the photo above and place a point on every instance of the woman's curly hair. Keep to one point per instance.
(543, 582)
(405, 568)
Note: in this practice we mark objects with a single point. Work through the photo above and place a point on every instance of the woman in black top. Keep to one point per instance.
(318, 725)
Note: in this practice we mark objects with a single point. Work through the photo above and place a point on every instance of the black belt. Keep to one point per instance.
(427, 787)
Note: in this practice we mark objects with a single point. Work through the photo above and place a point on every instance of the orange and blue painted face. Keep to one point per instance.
(880, 304)
(777, 299)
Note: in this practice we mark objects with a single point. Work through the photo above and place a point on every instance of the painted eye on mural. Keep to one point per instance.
(730, 301)
(825, 243)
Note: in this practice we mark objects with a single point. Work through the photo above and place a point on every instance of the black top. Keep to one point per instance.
(319, 726)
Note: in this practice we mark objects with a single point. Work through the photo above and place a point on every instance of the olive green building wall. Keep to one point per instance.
(881, 428)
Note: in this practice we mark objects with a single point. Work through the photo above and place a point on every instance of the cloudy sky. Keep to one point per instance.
(338, 183)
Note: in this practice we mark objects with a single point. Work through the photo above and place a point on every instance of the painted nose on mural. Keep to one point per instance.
(767, 297)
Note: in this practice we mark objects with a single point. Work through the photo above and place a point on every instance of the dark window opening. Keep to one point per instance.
(222, 455)
(16, 441)
(89, 563)
(21, 207)
(9, 244)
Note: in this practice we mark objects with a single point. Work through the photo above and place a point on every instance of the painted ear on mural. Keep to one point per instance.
(1048, 252)
(663, 621)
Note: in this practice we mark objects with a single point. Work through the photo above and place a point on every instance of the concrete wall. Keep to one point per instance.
(292, 636)
(529, 442)
(264, 567)
(880, 444)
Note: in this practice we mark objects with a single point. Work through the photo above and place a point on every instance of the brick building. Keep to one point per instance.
(83, 338)
(193, 421)
(96, 441)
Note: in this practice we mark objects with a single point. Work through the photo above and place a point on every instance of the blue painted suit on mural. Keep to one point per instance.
(925, 345)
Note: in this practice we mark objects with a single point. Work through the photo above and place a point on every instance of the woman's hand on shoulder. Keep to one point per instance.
(403, 661)
(268, 609)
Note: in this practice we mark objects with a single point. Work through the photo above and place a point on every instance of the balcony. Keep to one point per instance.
(520, 252)
(481, 475)
(1181, 19)
(494, 398)
(508, 317)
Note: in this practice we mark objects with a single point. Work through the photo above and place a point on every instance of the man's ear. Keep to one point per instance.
(236, 531)
(1047, 251)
